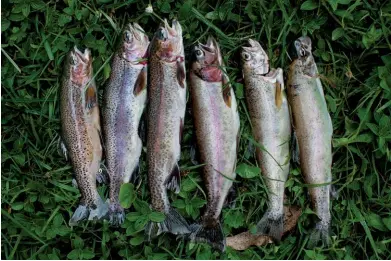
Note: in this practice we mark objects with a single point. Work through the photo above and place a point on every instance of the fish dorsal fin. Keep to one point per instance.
(91, 96)
(173, 182)
(141, 82)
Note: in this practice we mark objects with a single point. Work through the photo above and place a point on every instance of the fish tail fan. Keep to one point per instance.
(96, 211)
(174, 223)
(80, 214)
(116, 214)
(99, 210)
(319, 235)
(271, 224)
(212, 235)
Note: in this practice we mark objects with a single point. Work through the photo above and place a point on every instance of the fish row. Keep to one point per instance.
(160, 64)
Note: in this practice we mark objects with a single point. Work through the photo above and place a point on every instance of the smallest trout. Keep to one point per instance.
(314, 130)
(269, 112)
(81, 132)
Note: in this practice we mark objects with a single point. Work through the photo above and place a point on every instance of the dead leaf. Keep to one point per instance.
(244, 240)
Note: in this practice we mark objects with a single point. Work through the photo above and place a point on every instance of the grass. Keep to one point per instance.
(351, 43)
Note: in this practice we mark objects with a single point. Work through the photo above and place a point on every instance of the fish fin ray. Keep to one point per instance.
(181, 127)
(278, 95)
(271, 224)
(181, 74)
(91, 97)
(174, 223)
(83, 212)
(173, 182)
(211, 235)
(295, 150)
(319, 234)
(230, 201)
(141, 82)
(116, 214)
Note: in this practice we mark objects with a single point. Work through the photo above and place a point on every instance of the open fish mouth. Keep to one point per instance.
(82, 54)
(303, 46)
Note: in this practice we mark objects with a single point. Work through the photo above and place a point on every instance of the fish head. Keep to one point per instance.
(303, 47)
(207, 61)
(167, 42)
(80, 66)
(134, 44)
(254, 58)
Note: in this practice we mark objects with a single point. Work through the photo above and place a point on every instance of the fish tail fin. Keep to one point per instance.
(116, 214)
(319, 234)
(96, 212)
(212, 235)
(174, 223)
(272, 224)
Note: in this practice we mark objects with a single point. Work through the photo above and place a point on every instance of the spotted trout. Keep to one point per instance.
(166, 113)
(313, 127)
(216, 121)
(124, 102)
(269, 113)
(81, 132)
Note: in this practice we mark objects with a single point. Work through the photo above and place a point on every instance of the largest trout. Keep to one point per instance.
(270, 118)
(314, 130)
(166, 113)
(216, 121)
(124, 101)
(81, 132)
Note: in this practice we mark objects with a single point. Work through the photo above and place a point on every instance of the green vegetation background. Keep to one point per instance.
(351, 43)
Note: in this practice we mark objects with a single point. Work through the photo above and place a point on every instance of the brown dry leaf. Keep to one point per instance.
(244, 240)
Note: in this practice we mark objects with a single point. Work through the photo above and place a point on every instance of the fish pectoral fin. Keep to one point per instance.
(181, 127)
(141, 82)
(136, 174)
(278, 95)
(173, 182)
(63, 148)
(181, 74)
(142, 131)
(227, 96)
(295, 148)
(91, 97)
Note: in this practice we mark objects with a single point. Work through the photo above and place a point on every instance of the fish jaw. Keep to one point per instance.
(207, 61)
(134, 44)
(254, 58)
(80, 66)
(303, 46)
(167, 42)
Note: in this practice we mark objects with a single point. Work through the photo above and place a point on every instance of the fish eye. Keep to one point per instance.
(246, 56)
(199, 53)
(127, 36)
(161, 34)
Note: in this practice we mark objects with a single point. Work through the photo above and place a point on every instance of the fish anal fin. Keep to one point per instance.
(141, 82)
(173, 182)
(230, 199)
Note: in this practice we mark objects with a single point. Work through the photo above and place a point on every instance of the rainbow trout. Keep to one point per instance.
(313, 127)
(216, 121)
(269, 112)
(166, 112)
(81, 132)
(124, 101)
